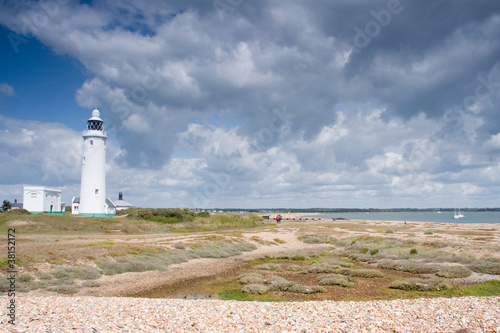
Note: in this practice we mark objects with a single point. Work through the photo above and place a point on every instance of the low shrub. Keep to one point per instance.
(301, 289)
(64, 289)
(295, 268)
(179, 246)
(25, 278)
(452, 272)
(90, 284)
(485, 267)
(356, 256)
(335, 280)
(304, 254)
(338, 262)
(82, 273)
(410, 266)
(428, 233)
(374, 252)
(255, 288)
(251, 278)
(44, 276)
(389, 231)
(278, 283)
(364, 250)
(269, 267)
(413, 252)
(313, 239)
(362, 272)
(420, 285)
(322, 267)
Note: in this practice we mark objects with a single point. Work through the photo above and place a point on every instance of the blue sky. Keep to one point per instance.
(256, 103)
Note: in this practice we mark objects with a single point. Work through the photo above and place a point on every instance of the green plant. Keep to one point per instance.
(374, 252)
(389, 231)
(364, 250)
(428, 233)
(413, 252)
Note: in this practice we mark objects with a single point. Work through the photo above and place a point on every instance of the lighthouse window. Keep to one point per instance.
(91, 142)
(96, 191)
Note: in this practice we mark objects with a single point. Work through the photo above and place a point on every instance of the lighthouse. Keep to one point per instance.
(93, 200)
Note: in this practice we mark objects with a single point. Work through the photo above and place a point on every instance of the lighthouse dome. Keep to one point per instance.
(95, 123)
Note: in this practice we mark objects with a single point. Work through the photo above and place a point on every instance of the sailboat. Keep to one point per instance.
(459, 215)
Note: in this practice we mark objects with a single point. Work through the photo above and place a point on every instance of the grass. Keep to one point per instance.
(103, 244)
(234, 294)
(491, 288)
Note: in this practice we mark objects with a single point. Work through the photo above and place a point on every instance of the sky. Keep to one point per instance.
(256, 104)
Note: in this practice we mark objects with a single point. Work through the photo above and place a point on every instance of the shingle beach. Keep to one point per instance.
(120, 314)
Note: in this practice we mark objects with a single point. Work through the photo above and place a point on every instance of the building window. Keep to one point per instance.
(91, 142)
(96, 191)
(33, 195)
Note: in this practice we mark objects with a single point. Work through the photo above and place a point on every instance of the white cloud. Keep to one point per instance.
(6, 89)
(190, 100)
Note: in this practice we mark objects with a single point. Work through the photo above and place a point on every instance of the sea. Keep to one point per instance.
(443, 217)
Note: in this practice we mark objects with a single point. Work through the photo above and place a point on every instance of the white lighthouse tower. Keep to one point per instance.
(93, 187)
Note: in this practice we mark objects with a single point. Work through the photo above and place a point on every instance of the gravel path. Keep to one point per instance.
(118, 314)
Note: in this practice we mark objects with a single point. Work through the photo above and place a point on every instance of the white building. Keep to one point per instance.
(122, 204)
(93, 200)
(37, 199)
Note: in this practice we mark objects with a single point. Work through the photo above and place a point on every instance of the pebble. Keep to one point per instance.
(123, 314)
